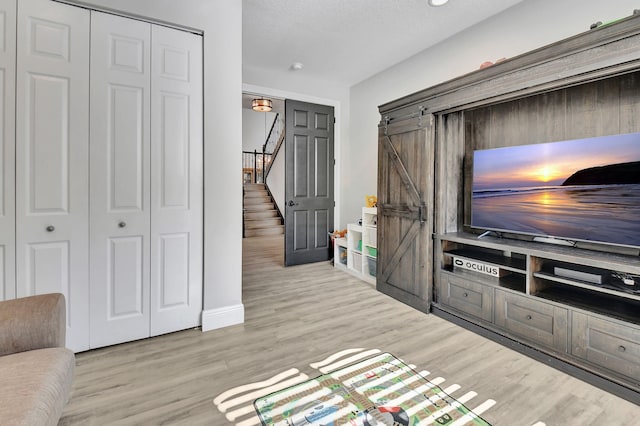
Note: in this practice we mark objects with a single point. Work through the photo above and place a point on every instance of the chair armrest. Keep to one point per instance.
(33, 322)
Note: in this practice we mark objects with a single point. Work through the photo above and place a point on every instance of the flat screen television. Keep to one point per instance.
(575, 190)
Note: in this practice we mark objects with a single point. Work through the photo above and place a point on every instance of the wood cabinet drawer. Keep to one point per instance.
(467, 296)
(533, 320)
(606, 343)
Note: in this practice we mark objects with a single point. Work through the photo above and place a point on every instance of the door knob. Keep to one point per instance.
(50, 228)
(122, 224)
(291, 203)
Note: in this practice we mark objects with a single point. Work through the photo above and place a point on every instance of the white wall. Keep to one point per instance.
(275, 179)
(255, 128)
(526, 26)
(221, 23)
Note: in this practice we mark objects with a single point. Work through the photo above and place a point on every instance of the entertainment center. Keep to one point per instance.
(575, 320)
(574, 305)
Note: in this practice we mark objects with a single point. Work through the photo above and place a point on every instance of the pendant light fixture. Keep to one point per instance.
(261, 105)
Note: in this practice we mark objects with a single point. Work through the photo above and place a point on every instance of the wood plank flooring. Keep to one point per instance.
(300, 315)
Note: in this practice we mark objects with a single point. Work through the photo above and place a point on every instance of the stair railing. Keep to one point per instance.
(272, 137)
(272, 144)
(255, 165)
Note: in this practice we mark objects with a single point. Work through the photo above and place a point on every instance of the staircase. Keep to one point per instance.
(260, 214)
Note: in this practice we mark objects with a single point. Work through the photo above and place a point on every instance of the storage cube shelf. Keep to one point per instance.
(360, 247)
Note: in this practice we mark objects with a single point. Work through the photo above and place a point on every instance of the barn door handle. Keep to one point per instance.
(291, 203)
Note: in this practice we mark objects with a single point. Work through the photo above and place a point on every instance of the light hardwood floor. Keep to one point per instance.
(299, 315)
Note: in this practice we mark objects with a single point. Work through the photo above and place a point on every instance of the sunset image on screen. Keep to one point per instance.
(549, 164)
(546, 174)
(587, 189)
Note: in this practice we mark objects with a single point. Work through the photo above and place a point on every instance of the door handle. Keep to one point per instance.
(291, 203)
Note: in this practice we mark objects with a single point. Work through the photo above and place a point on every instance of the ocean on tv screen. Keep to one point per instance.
(587, 189)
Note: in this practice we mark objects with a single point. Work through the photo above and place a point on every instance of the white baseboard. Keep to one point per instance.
(222, 317)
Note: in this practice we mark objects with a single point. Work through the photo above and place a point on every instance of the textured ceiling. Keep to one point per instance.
(347, 41)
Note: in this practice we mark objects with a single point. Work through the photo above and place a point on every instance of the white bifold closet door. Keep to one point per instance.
(7, 148)
(120, 181)
(176, 180)
(52, 158)
(146, 180)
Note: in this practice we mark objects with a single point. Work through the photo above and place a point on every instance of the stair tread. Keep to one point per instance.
(260, 215)
(259, 225)
(256, 203)
(255, 187)
(257, 208)
(279, 230)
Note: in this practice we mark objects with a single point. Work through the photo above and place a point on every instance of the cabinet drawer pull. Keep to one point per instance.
(622, 348)
(529, 317)
(50, 228)
(122, 224)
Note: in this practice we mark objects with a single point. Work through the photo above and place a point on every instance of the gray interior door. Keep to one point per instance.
(308, 182)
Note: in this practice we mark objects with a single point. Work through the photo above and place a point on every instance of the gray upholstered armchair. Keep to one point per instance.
(36, 370)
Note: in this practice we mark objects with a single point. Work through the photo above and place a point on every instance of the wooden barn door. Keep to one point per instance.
(405, 210)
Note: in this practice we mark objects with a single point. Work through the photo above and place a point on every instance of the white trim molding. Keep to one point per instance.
(213, 319)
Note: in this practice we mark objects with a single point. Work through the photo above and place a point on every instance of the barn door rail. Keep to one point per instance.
(422, 111)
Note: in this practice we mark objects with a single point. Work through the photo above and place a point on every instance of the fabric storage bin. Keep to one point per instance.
(357, 262)
(373, 238)
(372, 265)
(342, 255)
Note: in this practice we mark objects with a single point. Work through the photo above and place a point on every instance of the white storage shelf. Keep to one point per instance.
(361, 247)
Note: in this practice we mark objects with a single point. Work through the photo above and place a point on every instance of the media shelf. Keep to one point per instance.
(608, 305)
(570, 303)
(511, 270)
(509, 263)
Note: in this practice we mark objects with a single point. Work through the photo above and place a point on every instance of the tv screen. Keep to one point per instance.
(579, 190)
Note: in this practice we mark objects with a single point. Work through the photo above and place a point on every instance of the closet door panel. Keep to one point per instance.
(48, 270)
(52, 132)
(7, 148)
(47, 145)
(120, 185)
(125, 278)
(176, 175)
